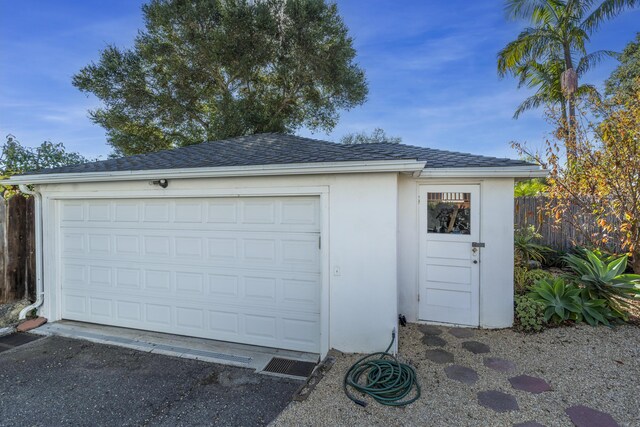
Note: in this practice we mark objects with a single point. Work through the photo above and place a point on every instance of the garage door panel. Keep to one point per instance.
(232, 323)
(278, 250)
(245, 270)
(278, 292)
(262, 213)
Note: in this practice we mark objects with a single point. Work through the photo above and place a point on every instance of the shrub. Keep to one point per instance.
(555, 259)
(561, 300)
(603, 278)
(529, 314)
(535, 275)
(524, 279)
(520, 280)
(526, 248)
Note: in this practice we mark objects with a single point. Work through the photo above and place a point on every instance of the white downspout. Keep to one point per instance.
(38, 233)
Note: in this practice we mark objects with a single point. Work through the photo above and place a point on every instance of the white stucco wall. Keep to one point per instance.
(358, 305)
(496, 259)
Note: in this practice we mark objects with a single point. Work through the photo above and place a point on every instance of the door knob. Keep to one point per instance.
(475, 261)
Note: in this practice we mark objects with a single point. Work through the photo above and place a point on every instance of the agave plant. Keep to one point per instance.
(595, 311)
(561, 300)
(606, 280)
(526, 248)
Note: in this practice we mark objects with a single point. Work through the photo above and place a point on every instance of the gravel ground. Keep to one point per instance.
(597, 367)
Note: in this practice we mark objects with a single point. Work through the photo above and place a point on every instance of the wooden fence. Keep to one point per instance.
(17, 248)
(558, 236)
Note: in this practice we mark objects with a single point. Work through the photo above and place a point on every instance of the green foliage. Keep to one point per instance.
(17, 159)
(605, 280)
(602, 255)
(623, 81)
(594, 311)
(564, 301)
(529, 188)
(520, 279)
(212, 69)
(561, 300)
(536, 275)
(557, 35)
(526, 248)
(524, 278)
(529, 314)
(378, 135)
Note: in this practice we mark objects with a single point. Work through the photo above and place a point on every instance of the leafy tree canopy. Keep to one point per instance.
(624, 79)
(378, 135)
(16, 158)
(530, 188)
(211, 69)
(598, 195)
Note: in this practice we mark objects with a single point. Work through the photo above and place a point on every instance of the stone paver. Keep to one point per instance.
(430, 329)
(461, 373)
(433, 340)
(531, 384)
(583, 416)
(475, 347)
(498, 401)
(462, 332)
(499, 364)
(439, 356)
(31, 324)
(529, 424)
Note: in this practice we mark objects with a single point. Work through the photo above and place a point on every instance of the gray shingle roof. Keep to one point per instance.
(274, 149)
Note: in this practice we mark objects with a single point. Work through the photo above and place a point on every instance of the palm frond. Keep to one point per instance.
(592, 59)
(606, 10)
(588, 91)
(536, 11)
(532, 43)
(531, 103)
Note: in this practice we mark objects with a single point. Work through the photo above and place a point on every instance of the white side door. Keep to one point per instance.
(449, 277)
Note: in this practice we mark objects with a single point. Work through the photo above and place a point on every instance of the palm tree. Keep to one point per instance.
(543, 55)
(546, 79)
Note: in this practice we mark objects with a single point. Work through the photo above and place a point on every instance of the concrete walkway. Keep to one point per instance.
(245, 356)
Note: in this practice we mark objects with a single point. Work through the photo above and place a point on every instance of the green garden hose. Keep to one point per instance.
(385, 379)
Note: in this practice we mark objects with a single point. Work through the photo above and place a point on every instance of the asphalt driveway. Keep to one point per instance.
(60, 381)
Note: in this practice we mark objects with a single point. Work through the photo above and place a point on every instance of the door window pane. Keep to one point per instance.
(449, 213)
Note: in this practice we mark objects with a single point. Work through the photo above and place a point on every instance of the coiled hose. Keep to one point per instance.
(385, 379)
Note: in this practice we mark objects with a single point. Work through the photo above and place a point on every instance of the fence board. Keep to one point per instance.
(3, 246)
(558, 236)
(17, 268)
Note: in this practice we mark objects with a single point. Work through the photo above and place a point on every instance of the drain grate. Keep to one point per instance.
(296, 368)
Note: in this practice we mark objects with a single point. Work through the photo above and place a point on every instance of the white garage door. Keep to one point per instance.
(235, 269)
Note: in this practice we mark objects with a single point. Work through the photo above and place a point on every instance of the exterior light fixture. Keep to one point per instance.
(164, 183)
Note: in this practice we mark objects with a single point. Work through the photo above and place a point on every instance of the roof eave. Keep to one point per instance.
(486, 172)
(221, 172)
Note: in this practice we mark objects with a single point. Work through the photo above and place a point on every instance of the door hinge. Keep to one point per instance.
(418, 297)
(418, 199)
(319, 242)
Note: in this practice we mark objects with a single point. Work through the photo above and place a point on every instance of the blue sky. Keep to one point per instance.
(430, 65)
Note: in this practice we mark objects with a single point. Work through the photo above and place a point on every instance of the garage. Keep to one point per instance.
(278, 241)
(240, 269)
